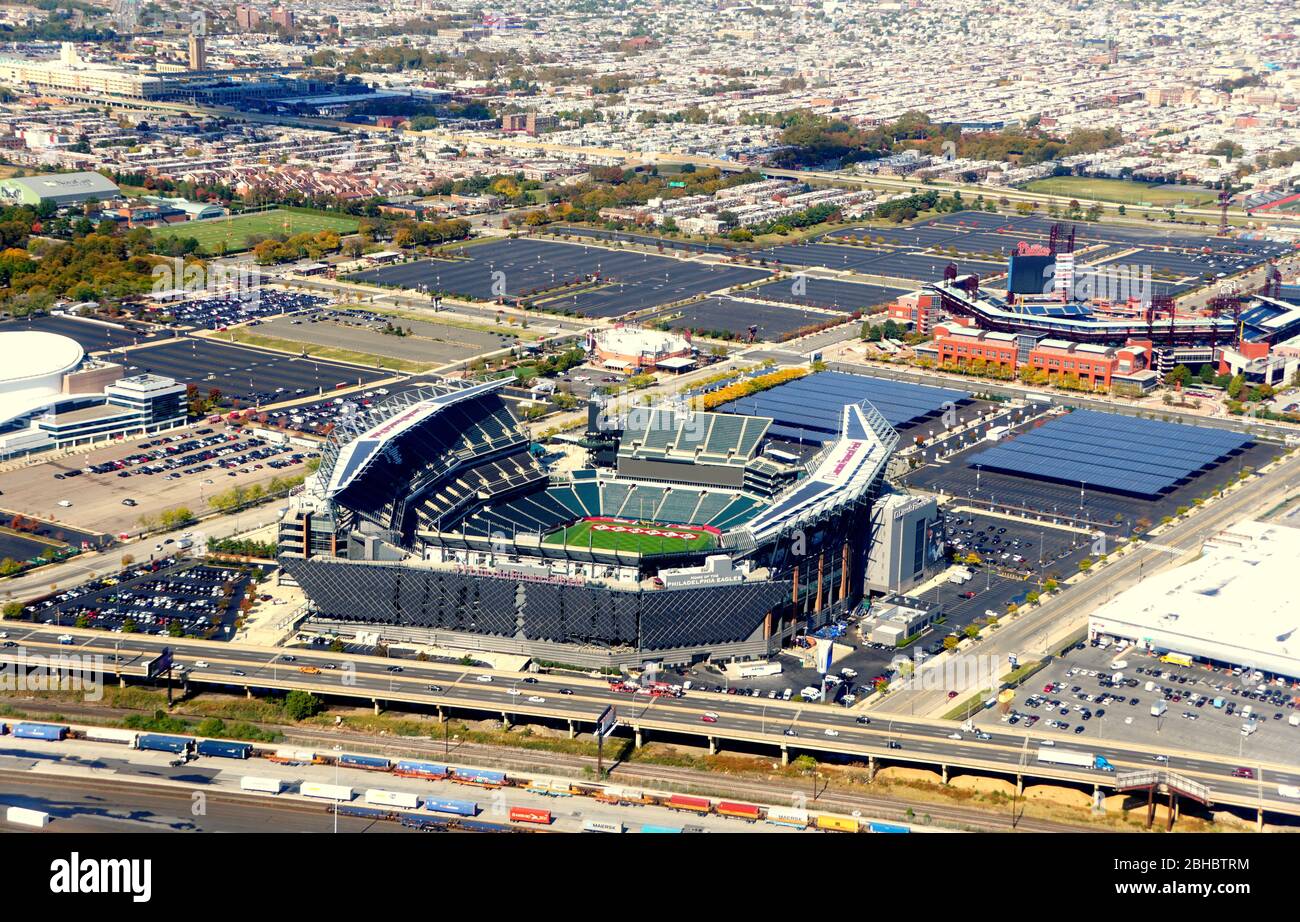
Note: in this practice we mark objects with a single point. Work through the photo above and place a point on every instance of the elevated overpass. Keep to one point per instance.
(779, 726)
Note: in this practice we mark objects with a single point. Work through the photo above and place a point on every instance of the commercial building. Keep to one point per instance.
(58, 189)
(52, 396)
(1095, 366)
(1229, 606)
(68, 75)
(907, 545)
(900, 618)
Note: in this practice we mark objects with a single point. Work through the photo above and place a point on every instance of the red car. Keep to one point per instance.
(951, 695)
(1247, 773)
(1048, 689)
(709, 717)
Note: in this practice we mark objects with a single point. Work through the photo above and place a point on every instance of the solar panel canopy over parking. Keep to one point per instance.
(1120, 454)
(810, 408)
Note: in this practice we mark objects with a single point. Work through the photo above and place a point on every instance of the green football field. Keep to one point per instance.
(235, 231)
(602, 535)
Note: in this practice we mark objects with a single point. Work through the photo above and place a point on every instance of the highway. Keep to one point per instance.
(785, 726)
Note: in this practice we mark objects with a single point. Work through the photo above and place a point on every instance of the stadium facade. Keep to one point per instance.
(431, 515)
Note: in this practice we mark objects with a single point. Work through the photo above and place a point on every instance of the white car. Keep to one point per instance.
(513, 691)
(201, 664)
(485, 678)
(65, 503)
(954, 736)
(830, 732)
(536, 699)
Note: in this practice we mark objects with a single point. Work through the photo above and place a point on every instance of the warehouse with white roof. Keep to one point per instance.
(1231, 606)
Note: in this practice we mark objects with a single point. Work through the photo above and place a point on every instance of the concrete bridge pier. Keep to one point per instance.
(1098, 802)
(637, 739)
(375, 702)
(713, 746)
(573, 730)
(945, 773)
(121, 681)
(442, 718)
(785, 755)
(871, 769)
(248, 692)
(1259, 820)
(505, 721)
(1020, 785)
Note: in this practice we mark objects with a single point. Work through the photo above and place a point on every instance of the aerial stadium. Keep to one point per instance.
(701, 535)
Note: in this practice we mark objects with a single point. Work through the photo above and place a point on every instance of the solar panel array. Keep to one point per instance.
(1121, 454)
(810, 408)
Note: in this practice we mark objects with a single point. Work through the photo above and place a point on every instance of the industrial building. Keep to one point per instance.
(1229, 606)
(60, 189)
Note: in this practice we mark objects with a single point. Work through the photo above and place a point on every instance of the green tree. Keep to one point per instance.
(299, 705)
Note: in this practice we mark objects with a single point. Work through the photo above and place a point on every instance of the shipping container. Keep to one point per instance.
(786, 816)
(887, 827)
(601, 826)
(620, 795)
(295, 757)
(110, 735)
(157, 742)
(392, 799)
(224, 749)
(367, 763)
(478, 776)
(738, 810)
(428, 770)
(262, 785)
(836, 823)
(530, 815)
(31, 731)
(649, 827)
(325, 791)
(454, 807)
(691, 804)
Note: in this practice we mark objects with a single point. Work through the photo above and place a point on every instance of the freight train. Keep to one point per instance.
(461, 814)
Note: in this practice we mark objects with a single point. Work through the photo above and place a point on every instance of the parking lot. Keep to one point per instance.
(170, 596)
(1113, 513)
(217, 313)
(1083, 687)
(604, 282)
(425, 341)
(250, 376)
(92, 335)
(774, 322)
(111, 489)
(827, 294)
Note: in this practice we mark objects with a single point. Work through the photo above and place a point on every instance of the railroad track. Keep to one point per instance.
(632, 774)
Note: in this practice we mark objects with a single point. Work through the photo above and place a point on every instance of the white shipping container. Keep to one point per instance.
(325, 791)
(264, 785)
(21, 816)
(601, 826)
(110, 735)
(392, 799)
(787, 816)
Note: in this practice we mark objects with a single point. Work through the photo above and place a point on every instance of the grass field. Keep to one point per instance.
(579, 534)
(235, 231)
(1121, 190)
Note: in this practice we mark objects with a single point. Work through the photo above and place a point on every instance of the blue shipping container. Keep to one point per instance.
(424, 769)
(159, 743)
(649, 828)
(887, 827)
(30, 731)
(457, 807)
(479, 776)
(224, 749)
(374, 763)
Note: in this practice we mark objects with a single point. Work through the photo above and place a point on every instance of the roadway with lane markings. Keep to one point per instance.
(751, 721)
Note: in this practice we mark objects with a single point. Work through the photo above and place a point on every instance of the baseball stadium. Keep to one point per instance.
(701, 534)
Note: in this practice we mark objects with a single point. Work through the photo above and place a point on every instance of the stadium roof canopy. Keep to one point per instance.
(358, 452)
(843, 472)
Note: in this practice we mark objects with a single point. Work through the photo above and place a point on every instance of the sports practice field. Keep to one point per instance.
(235, 231)
(643, 538)
(1122, 190)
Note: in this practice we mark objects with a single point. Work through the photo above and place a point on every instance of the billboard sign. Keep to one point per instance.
(1029, 274)
(607, 722)
(160, 663)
